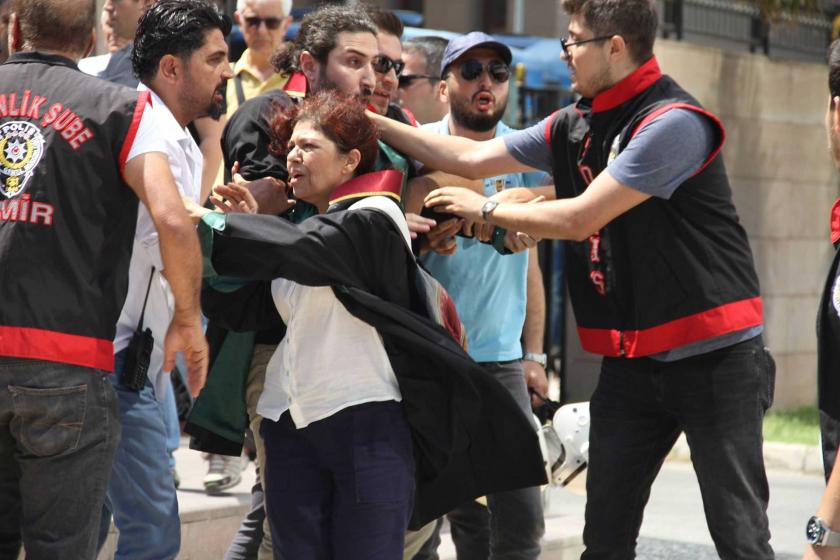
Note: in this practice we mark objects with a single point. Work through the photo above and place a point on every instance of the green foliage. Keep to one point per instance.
(775, 9)
(800, 425)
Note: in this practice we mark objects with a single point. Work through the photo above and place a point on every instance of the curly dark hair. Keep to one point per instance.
(176, 27)
(834, 69)
(634, 20)
(339, 116)
(317, 35)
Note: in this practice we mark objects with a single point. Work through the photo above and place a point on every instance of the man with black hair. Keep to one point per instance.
(68, 219)
(419, 83)
(660, 272)
(180, 55)
(823, 529)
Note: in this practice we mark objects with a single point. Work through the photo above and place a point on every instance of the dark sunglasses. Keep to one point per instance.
(564, 42)
(408, 79)
(270, 22)
(383, 65)
(472, 69)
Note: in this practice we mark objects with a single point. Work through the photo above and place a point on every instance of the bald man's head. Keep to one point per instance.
(55, 25)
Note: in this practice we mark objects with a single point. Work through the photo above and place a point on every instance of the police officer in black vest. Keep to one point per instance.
(660, 273)
(68, 208)
(823, 529)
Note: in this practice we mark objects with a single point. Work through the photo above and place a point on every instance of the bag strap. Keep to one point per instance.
(390, 208)
(240, 91)
(146, 299)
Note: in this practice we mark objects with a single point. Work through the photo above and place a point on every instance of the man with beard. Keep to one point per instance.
(180, 55)
(490, 291)
(823, 529)
(335, 48)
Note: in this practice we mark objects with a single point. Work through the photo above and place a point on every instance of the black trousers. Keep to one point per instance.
(341, 488)
(638, 410)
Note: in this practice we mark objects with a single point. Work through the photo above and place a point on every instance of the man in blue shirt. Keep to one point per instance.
(490, 291)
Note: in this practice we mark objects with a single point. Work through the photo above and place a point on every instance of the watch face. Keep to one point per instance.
(814, 531)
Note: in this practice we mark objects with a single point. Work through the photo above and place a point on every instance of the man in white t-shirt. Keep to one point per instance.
(186, 82)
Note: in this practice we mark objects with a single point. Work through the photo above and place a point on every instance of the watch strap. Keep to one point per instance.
(830, 538)
(541, 359)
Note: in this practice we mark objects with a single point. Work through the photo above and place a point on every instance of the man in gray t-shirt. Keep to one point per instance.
(660, 275)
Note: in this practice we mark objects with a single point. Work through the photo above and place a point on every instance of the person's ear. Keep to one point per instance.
(170, 68)
(91, 44)
(835, 116)
(443, 91)
(617, 45)
(238, 19)
(287, 21)
(309, 66)
(354, 157)
(15, 42)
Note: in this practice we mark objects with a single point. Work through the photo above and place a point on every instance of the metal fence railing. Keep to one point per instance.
(739, 26)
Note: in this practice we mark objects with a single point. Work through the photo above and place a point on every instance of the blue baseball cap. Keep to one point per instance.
(459, 45)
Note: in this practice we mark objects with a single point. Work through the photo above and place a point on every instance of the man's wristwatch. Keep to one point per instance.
(488, 208)
(817, 533)
(541, 359)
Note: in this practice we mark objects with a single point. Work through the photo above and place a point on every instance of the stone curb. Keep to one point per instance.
(795, 457)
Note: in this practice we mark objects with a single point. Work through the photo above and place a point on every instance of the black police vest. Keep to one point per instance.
(667, 273)
(67, 218)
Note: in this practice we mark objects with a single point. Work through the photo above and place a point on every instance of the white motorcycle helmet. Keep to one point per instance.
(565, 443)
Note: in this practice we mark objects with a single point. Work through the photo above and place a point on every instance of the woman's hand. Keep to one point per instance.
(234, 198)
(194, 210)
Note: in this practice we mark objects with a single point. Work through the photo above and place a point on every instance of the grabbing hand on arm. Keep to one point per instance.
(150, 177)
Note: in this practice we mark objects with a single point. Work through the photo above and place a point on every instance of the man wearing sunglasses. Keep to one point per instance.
(660, 274)
(419, 87)
(491, 292)
(263, 24)
(388, 65)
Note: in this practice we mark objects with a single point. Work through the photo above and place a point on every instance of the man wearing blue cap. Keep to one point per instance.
(489, 290)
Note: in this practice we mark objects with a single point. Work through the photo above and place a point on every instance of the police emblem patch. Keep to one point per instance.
(21, 148)
(835, 295)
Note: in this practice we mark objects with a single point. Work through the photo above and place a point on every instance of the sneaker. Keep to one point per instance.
(224, 472)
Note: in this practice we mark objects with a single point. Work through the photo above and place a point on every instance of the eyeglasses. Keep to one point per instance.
(383, 64)
(270, 22)
(566, 44)
(409, 79)
(472, 69)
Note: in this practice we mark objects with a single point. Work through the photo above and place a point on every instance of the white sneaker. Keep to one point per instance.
(224, 472)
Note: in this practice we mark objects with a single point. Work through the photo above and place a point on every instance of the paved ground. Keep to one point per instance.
(674, 525)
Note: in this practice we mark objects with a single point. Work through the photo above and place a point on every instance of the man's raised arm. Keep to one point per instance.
(150, 177)
(452, 154)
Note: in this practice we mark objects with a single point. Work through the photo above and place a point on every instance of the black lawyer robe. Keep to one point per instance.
(469, 435)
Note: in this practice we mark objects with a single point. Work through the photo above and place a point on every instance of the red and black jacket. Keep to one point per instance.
(667, 273)
(67, 218)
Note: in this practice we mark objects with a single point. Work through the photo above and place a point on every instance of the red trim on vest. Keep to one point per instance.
(642, 78)
(835, 222)
(549, 124)
(144, 98)
(727, 318)
(410, 116)
(665, 108)
(296, 84)
(387, 182)
(39, 344)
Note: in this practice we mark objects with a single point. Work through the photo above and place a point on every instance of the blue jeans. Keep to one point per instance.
(58, 432)
(141, 494)
(342, 488)
(639, 408)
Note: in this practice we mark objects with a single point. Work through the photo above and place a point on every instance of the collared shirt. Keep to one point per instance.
(489, 289)
(185, 159)
(252, 85)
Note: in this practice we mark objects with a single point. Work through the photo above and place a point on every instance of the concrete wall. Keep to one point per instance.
(784, 185)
